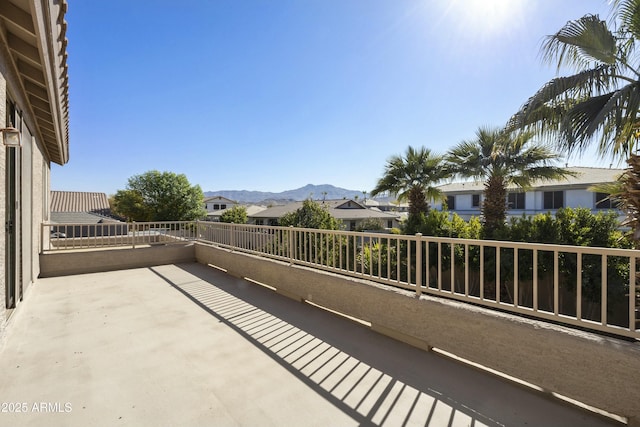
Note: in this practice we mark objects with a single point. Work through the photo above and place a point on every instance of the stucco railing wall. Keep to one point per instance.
(93, 261)
(596, 370)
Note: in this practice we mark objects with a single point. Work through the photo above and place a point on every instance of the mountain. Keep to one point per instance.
(316, 192)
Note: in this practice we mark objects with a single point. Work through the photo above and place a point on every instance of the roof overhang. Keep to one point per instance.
(34, 33)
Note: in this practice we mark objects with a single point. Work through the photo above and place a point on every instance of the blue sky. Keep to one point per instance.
(272, 95)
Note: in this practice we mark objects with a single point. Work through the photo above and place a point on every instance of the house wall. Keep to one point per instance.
(82, 262)
(584, 198)
(34, 171)
(464, 202)
(209, 204)
(534, 202)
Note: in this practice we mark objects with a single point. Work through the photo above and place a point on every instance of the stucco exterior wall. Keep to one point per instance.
(581, 198)
(596, 370)
(92, 261)
(39, 204)
(31, 198)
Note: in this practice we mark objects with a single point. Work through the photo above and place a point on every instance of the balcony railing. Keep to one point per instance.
(591, 288)
(57, 237)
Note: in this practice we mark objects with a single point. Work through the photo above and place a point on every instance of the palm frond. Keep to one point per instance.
(581, 42)
(610, 188)
(414, 173)
(596, 79)
(628, 12)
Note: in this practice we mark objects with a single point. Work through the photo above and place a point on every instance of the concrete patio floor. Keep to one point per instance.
(188, 345)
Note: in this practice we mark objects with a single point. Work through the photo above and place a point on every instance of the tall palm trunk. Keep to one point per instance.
(631, 196)
(494, 209)
(417, 202)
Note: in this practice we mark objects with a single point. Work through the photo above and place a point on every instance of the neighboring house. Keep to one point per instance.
(218, 203)
(465, 198)
(387, 205)
(349, 212)
(34, 106)
(75, 207)
(391, 205)
(251, 210)
(79, 207)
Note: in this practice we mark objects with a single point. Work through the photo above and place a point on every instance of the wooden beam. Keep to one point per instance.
(43, 115)
(23, 48)
(46, 130)
(36, 90)
(31, 72)
(17, 16)
(39, 103)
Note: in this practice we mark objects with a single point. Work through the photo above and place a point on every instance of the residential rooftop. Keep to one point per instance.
(78, 201)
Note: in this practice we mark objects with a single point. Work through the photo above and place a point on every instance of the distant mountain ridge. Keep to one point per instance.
(316, 192)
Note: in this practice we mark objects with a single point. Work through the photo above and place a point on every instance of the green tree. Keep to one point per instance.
(370, 224)
(310, 215)
(502, 159)
(235, 215)
(414, 176)
(601, 100)
(160, 196)
(130, 204)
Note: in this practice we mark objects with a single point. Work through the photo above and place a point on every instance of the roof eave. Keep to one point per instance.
(34, 31)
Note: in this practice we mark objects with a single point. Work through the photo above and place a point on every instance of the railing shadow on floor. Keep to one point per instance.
(373, 379)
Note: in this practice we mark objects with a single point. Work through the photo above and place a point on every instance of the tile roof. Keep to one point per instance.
(34, 35)
(251, 210)
(219, 198)
(332, 206)
(80, 218)
(77, 201)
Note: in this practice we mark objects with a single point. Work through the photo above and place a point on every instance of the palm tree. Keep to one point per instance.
(502, 159)
(601, 101)
(413, 177)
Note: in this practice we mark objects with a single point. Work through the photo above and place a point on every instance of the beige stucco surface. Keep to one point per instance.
(599, 371)
(91, 261)
(186, 344)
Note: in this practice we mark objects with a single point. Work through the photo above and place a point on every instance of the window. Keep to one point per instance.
(216, 207)
(389, 223)
(603, 202)
(553, 199)
(223, 206)
(451, 203)
(259, 222)
(515, 201)
(352, 225)
(475, 200)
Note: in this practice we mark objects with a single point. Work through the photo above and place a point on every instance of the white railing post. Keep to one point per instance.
(233, 235)
(133, 227)
(290, 243)
(418, 264)
(632, 293)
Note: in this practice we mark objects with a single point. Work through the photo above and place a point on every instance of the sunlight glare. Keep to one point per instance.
(487, 18)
